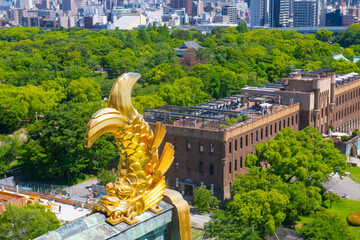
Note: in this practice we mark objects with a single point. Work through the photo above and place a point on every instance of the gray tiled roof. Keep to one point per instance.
(189, 44)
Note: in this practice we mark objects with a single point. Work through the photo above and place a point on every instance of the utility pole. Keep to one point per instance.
(309, 58)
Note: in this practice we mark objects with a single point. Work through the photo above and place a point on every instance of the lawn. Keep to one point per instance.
(354, 173)
(344, 207)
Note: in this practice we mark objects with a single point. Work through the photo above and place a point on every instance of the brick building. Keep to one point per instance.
(210, 149)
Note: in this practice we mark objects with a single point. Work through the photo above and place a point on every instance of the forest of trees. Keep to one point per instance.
(62, 76)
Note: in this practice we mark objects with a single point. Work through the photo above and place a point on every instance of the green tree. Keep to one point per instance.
(57, 142)
(241, 27)
(344, 67)
(185, 91)
(83, 90)
(227, 226)
(327, 225)
(302, 156)
(264, 210)
(27, 222)
(204, 200)
(324, 35)
(349, 53)
(8, 151)
(332, 197)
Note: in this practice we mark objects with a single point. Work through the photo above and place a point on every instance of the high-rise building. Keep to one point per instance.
(279, 13)
(257, 13)
(230, 12)
(178, 4)
(109, 4)
(305, 13)
(197, 8)
(24, 3)
(45, 4)
(73, 5)
(69, 6)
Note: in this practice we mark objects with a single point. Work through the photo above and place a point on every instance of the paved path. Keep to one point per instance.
(80, 192)
(344, 186)
(198, 219)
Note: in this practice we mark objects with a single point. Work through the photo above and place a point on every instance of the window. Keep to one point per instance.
(288, 121)
(256, 136)
(188, 146)
(176, 142)
(230, 166)
(176, 164)
(296, 117)
(251, 138)
(201, 147)
(279, 125)
(275, 128)
(211, 148)
(270, 130)
(211, 169)
(241, 146)
(235, 145)
(229, 147)
(335, 116)
(241, 162)
(201, 167)
(235, 165)
(284, 125)
(246, 140)
(261, 133)
(266, 131)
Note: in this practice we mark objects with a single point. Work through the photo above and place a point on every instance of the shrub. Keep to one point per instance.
(344, 138)
(331, 128)
(204, 199)
(245, 117)
(356, 132)
(239, 118)
(354, 218)
(233, 120)
(227, 122)
(221, 126)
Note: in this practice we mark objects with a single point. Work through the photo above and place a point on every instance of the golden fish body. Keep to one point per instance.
(140, 182)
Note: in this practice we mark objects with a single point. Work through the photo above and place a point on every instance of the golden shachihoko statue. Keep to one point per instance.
(140, 181)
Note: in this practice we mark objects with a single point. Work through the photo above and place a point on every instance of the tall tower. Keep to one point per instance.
(45, 4)
(231, 12)
(257, 13)
(305, 13)
(279, 13)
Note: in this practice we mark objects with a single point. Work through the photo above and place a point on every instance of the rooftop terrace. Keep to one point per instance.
(229, 112)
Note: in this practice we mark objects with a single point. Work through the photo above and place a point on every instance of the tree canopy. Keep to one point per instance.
(27, 222)
(55, 149)
(283, 183)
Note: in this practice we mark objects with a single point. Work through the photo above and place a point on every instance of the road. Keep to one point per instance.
(344, 186)
(80, 192)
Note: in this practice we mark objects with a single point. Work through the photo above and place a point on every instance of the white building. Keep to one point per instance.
(129, 22)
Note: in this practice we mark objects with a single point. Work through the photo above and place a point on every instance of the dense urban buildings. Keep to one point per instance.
(255, 13)
(212, 140)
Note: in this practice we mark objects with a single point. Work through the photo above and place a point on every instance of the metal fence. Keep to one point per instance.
(46, 189)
